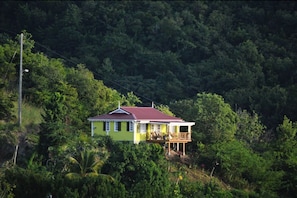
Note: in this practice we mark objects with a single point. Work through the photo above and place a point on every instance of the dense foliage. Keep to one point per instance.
(228, 66)
(170, 50)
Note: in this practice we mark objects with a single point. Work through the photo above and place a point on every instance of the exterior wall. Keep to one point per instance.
(164, 129)
(142, 133)
(122, 135)
(98, 128)
(140, 137)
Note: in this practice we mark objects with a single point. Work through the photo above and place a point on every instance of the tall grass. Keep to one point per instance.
(30, 114)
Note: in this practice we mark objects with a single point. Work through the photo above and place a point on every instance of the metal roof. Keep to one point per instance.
(136, 113)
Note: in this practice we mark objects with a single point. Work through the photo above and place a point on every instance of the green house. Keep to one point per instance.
(142, 124)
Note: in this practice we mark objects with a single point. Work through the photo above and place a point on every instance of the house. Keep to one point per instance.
(143, 124)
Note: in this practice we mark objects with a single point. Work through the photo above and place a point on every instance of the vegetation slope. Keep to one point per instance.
(227, 66)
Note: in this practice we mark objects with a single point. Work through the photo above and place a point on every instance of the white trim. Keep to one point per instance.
(109, 120)
(119, 111)
(144, 121)
(115, 126)
(142, 128)
(107, 126)
(181, 123)
(134, 132)
(155, 122)
(92, 129)
(131, 126)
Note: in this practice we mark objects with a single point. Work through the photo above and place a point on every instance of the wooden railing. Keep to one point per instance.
(184, 135)
(170, 136)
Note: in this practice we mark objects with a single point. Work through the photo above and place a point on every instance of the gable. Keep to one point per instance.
(119, 110)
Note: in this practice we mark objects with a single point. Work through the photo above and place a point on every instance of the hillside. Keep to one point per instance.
(228, 66)
(167, 51)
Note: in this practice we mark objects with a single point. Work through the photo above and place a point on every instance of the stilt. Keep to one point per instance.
(184, 149)
(168, 148)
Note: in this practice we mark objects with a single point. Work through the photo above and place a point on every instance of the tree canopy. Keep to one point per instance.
(167, 51)
(228, 66)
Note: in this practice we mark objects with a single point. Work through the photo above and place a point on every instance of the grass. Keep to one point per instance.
(192, 174)
(31, 115)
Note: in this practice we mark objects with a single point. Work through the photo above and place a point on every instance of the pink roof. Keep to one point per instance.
(137, 113)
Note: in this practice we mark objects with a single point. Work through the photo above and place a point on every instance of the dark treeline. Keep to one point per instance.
(228, 66)
(170, 50)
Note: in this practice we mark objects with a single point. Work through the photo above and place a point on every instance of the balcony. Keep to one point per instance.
(169, 137)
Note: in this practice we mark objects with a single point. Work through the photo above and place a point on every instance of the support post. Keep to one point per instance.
(15, 154)
(20, 81)
(92, 128)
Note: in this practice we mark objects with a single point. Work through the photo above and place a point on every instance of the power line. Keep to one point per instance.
(94, 72)
(54, 52)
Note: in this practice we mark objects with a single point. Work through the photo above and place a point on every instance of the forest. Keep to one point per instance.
(228, 66)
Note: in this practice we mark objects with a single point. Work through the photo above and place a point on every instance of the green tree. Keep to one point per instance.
(141, 168)
(46, 74)
(8, 141)
(6, 106)
(53, 129)
(199, 189)
(28, 182)
(249, 128)
(271, 106)
(242, 168)
(5, 188)
(131, 99)
(178, 108)
(87, 164)
(285, 155)
(94, 96)
(165, 109)
(217, 121)
(8, 60)
(97, 187)
(9, 52)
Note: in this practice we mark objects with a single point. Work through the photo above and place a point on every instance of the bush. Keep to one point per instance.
(85, 187)
(28, 183)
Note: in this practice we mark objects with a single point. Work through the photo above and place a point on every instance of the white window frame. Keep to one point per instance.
(116, 126)
(107, 126)
(142, 128)
(158, 128)
(131, 126)
(153, 128)
(172, 128)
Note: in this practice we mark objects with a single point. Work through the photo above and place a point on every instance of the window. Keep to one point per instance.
(117, 126)
(130, 126)
(155, 127)
(183, 129)
(143, 128)
(172, 128)
(106, 126)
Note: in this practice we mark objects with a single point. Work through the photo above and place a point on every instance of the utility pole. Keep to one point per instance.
(21, 81)
(20, 97)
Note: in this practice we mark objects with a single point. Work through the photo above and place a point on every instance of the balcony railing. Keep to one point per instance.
(184, 136)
